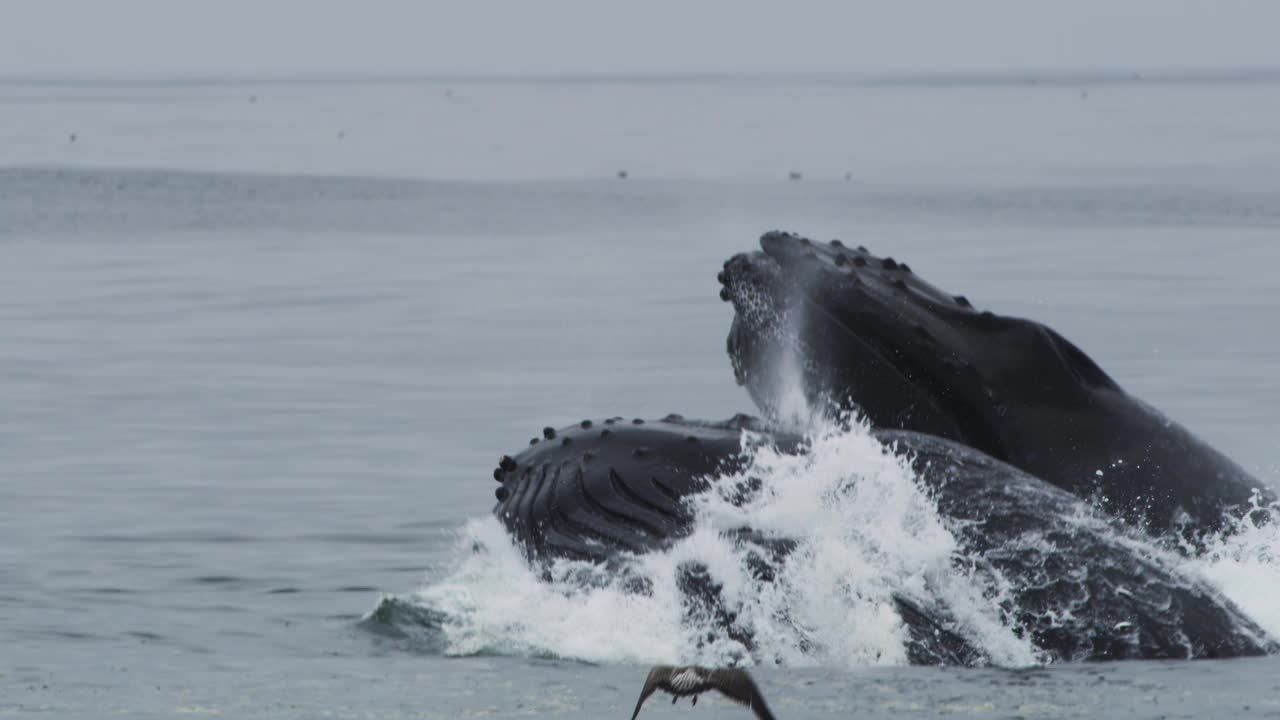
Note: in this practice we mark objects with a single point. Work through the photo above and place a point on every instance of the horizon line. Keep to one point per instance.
(1047, 76)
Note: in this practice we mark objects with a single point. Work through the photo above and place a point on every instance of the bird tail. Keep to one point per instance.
(760, 709)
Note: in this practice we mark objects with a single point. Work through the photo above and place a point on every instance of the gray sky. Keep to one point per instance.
(166, 37)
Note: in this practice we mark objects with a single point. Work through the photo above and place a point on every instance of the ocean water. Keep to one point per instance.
(261, 343)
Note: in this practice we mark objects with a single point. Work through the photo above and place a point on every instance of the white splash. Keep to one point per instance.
(1244, 563)
(791, 405)
(866, 533)
(497, 604)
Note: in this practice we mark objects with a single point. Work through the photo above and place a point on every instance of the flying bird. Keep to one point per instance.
(679, 682)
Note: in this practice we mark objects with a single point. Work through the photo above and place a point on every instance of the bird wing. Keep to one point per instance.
(737, 685)
(650, 685)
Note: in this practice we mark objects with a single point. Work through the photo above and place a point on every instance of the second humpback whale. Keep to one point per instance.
(868, 333)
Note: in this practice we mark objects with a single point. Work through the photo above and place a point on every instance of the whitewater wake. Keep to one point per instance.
(1243, 562)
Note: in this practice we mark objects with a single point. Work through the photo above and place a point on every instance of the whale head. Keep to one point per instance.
(851, 331)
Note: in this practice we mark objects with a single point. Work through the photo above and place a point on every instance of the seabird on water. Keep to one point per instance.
(679, 682)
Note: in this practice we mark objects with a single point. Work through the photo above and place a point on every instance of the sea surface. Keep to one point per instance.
(263, 341)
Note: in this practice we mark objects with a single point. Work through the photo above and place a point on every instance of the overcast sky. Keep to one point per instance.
(167, 37)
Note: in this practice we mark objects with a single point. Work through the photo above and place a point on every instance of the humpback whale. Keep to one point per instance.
(868, 334)
(602, 490)
(1056, 484)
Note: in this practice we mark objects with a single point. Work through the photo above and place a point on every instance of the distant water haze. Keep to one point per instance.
(997, 129)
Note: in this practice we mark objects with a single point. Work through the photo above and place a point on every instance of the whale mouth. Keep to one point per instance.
(865, 332)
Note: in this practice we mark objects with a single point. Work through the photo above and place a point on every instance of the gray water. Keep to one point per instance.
(261, 344)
